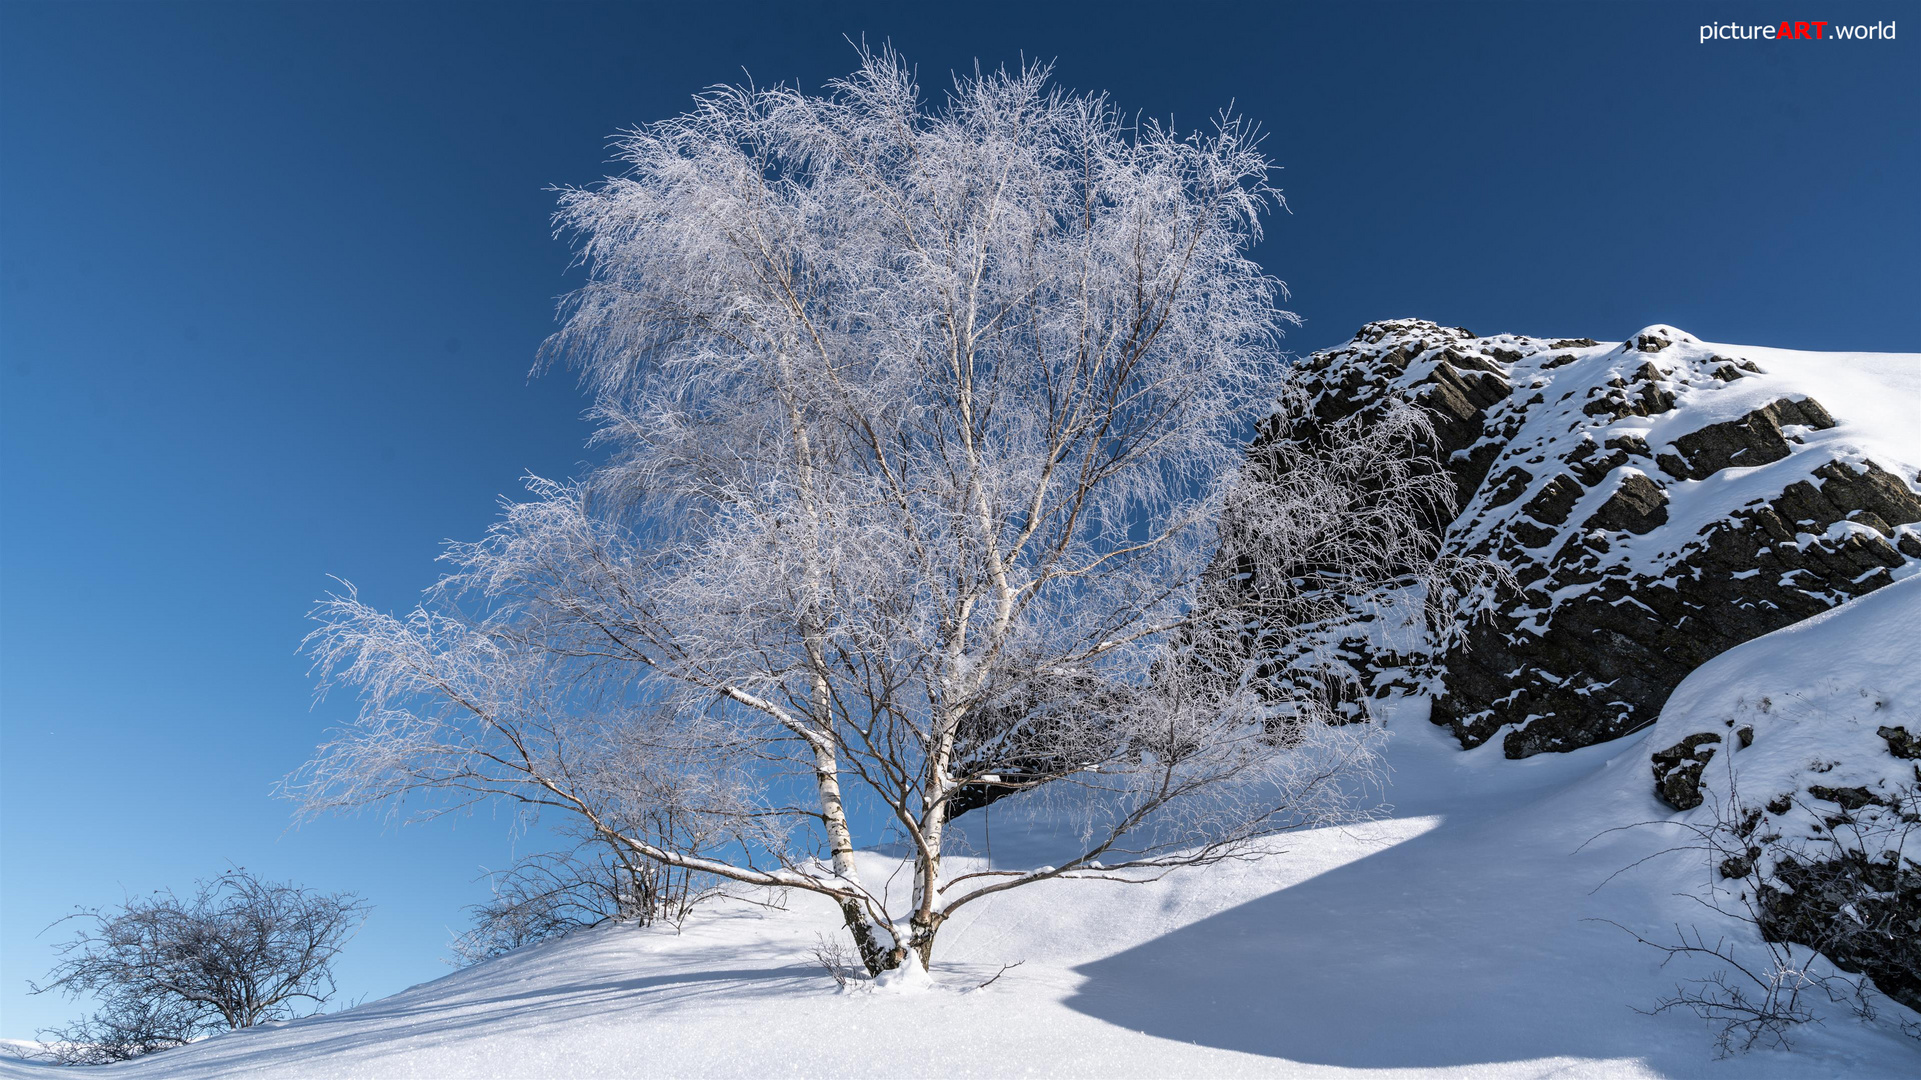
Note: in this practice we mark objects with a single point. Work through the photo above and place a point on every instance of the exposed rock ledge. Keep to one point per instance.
(1660, 501)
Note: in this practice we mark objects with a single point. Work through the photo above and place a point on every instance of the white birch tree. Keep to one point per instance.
(924, 415)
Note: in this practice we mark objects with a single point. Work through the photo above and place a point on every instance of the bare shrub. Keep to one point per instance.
(166, 971)
(552, 894)
(1746, 1003)
(1850, 892)
(841, 964)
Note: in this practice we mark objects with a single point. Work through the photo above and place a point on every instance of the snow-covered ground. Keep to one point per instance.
(1451, 938)
(1465, 933)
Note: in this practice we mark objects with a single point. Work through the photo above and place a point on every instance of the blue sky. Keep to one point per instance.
(272, 278)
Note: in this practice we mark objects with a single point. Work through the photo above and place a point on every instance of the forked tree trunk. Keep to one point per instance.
(875, 944)
(926, 917)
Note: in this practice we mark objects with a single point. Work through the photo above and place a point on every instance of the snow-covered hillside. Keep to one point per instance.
(1815, 704)
(1450, 938)
(1482, 925)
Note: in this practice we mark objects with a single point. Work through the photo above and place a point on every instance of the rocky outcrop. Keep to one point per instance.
(1658, 501)
(1667, 508)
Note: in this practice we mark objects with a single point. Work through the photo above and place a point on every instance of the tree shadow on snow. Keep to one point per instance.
(1459, 946)
(496, 1002)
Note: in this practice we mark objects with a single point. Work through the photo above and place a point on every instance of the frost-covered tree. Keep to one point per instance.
(924, 416)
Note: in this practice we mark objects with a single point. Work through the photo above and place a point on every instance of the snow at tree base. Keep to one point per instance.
(1706, 701)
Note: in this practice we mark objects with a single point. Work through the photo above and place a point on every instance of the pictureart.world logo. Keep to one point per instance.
(1798, 31)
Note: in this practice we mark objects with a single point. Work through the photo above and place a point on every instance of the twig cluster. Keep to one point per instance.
(1845, 895)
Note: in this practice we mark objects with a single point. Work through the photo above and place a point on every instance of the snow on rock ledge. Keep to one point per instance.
(1660, 501)
(1802, 769)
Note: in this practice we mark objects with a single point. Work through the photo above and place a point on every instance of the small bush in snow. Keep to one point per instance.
(1839, 886)
(165, 971)
(552, 894)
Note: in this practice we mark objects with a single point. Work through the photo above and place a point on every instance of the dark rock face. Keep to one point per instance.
(1637, 506)
(1754, 439)
(1457, 381)
(1657, 503)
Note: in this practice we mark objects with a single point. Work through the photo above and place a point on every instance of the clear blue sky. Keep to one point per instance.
(272, 277)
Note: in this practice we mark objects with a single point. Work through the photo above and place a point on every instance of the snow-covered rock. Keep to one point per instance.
(1737, 522)
(1660, 501)
(1803, 775)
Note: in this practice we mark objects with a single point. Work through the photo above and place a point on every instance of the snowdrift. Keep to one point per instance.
(1796, 755)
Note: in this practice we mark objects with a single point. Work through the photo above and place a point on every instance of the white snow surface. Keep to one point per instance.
(1450, 938)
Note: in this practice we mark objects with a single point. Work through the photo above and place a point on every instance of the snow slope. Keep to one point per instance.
(1448, 939)
(1797, 720)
